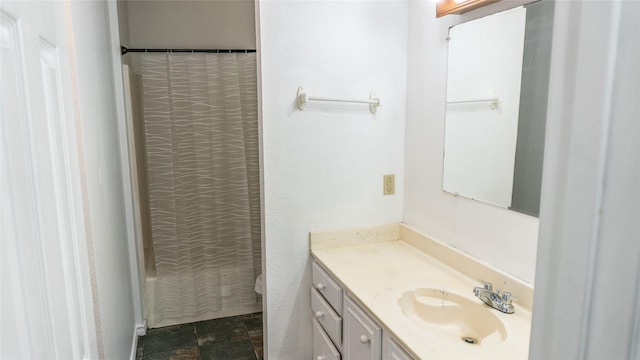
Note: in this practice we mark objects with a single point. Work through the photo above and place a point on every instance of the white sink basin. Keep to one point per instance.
(453, 317)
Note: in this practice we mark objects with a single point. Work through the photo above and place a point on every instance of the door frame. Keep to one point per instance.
(133, 228)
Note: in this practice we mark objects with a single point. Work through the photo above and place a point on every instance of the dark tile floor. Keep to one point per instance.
(230, 338)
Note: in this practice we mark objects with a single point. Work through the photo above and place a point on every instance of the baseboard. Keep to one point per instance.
(134, 346)
(139, 330)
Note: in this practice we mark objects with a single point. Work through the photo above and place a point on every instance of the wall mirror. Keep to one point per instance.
(497, 87)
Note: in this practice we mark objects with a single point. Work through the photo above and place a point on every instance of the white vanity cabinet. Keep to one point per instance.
(342, 329)
(326, 307)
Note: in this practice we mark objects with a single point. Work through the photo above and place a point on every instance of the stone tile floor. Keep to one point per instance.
(230, 338)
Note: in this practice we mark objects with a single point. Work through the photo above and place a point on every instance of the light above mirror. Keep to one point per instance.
(446, 7)
(497, 81)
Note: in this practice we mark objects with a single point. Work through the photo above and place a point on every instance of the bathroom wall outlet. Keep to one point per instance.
(389, 184)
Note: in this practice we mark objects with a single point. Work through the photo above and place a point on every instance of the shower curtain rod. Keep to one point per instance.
(124, 50)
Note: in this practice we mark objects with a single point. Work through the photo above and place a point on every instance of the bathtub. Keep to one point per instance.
(163, 309)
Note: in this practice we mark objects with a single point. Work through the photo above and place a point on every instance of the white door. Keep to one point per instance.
(46, 308)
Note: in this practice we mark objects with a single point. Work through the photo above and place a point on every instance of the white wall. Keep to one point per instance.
(123, 21)
(589, 250)
(323, 166)
(504, 239)
(106, 208)
(220, 24)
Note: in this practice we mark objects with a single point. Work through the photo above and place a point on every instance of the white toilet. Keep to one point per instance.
(258, 287)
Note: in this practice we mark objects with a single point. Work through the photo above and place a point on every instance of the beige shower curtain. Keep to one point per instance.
(201, 145)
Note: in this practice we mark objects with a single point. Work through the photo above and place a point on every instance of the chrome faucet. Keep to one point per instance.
(501, 302)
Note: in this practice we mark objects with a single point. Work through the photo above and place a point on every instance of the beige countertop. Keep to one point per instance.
(377, 265)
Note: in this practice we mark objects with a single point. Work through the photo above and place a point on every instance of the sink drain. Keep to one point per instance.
(470, 340)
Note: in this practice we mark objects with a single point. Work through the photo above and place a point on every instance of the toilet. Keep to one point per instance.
(258, 287)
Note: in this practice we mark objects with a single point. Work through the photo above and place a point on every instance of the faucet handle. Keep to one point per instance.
(506, 298)
(487, 285)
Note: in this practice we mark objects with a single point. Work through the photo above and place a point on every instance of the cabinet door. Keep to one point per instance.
(323, 348)
(392, 351)
(362, 336)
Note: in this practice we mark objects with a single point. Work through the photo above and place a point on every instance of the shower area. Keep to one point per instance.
(194, 132)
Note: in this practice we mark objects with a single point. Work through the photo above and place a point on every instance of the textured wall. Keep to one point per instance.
(104, 179)
(323, 166)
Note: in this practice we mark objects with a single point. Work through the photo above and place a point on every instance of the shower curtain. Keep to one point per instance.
(201, 149)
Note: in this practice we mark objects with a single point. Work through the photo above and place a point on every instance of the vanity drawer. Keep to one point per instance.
(323, 348)
(330, 321)
(326, 286)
